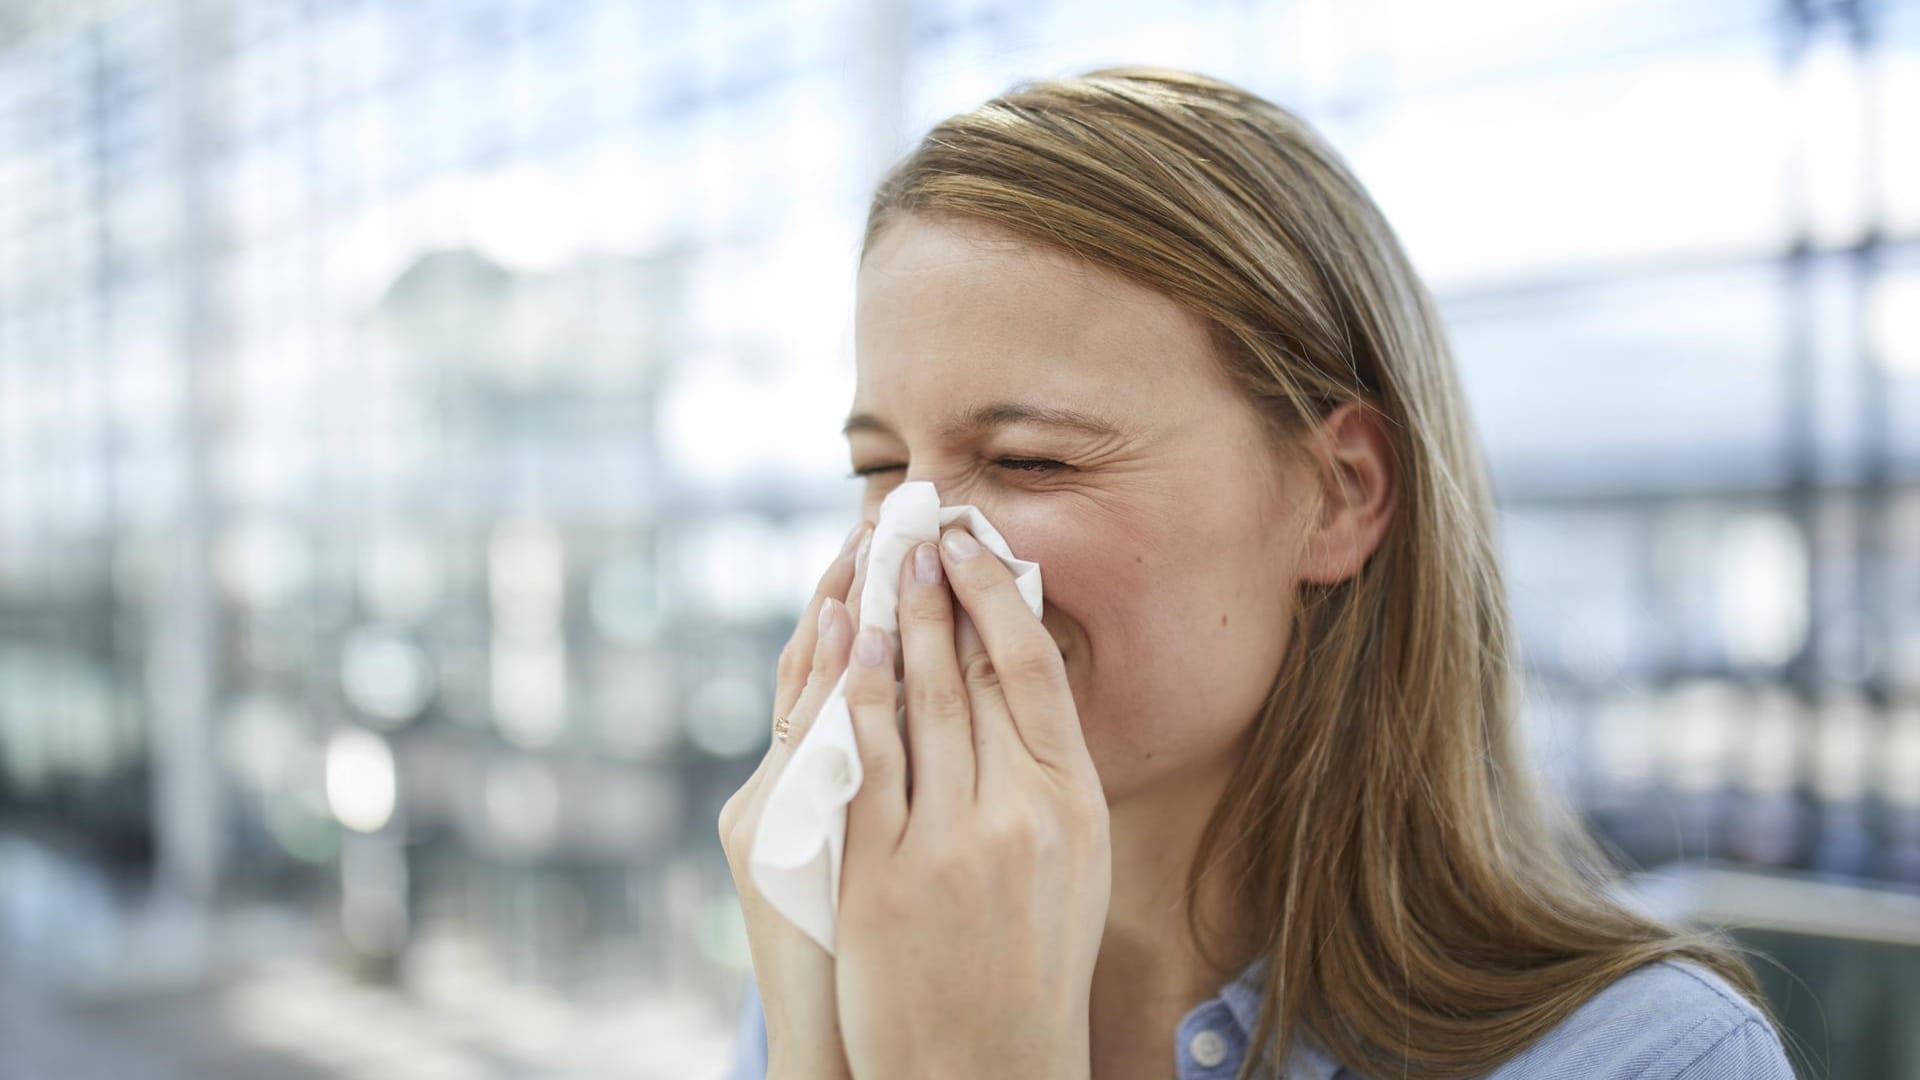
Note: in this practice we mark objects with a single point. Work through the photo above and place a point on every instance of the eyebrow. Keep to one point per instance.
(997, 414)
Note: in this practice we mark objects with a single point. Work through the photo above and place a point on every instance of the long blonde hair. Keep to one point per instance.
(1425, 910)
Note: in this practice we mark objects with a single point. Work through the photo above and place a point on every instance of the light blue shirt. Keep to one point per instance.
(1670, 1020)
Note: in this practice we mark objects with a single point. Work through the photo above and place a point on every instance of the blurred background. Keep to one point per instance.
(418, 435)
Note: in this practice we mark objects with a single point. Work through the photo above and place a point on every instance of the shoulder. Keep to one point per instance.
(1669, 1020)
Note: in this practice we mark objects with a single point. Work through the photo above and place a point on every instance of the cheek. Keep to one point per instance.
(1092, 562)
(1172, 632)
(1162, 579)
(1109, 580)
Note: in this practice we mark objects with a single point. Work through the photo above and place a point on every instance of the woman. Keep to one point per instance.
(1247, 799)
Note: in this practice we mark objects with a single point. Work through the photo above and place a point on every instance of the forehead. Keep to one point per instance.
(951, 313)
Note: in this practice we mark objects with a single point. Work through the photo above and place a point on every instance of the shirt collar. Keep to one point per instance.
(1305, 1061)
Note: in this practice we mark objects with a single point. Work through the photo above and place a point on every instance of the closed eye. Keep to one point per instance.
(1031, 465)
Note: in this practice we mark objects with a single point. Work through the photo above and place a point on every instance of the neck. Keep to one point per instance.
(1149, 972)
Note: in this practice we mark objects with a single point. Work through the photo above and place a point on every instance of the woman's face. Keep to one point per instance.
(1160, 535)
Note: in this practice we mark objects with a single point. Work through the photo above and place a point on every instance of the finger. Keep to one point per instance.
(796, 658)
(1027, 663)
(939, 723)
(994, 735)
(878, 813)
(834, 640)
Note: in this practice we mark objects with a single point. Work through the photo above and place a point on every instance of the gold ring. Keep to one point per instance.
(780, 729)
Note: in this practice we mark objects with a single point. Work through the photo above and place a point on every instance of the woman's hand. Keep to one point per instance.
(795, 975)
(971, 912)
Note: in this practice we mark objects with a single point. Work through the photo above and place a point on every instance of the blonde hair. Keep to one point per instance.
(1424, 910)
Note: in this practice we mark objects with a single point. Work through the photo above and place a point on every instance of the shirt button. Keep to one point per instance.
(1208, 1048)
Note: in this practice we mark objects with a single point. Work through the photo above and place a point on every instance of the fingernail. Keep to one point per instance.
(960, 544)
(826, 615)
(852, 538)
(871, 647)
(926, 564)
(860, 560)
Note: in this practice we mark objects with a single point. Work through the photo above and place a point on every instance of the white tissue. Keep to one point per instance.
(796, 853)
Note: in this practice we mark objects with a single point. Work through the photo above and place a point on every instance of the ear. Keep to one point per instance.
(1356, 469)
